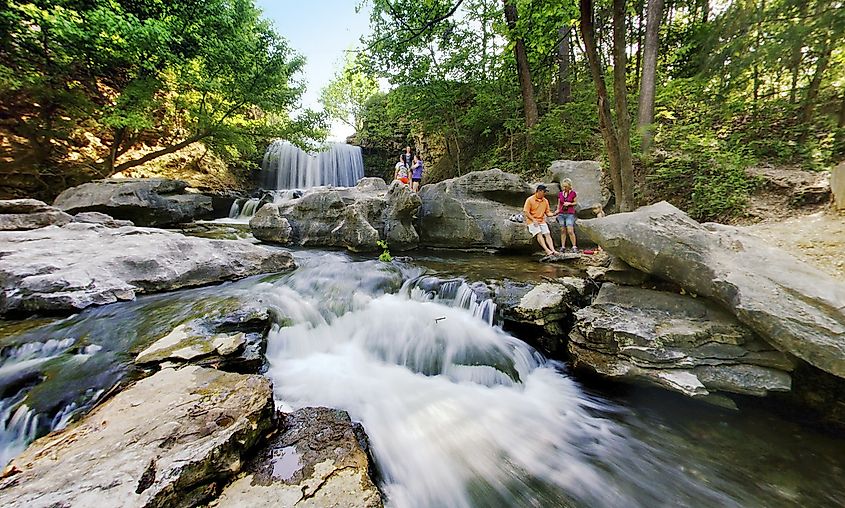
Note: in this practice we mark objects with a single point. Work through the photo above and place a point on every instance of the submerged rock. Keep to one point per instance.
(165, 441)
(677, 342)
(233, 341)
(318, 459)
(354, 218)
(78, 265)
(144, 201)
(25, 214)
(793, 306)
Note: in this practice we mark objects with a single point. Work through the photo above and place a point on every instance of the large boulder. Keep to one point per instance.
(25, 214)
(78, 265)
(355, 218)
(795, 307)
(586, 179)
(316, 460)
(144, 201)
(677, 342)
(837, 185)
(473, 211)
(166, 441)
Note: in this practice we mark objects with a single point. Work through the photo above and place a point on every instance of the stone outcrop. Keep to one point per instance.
(25, 214)
(316, 460)
(233, 341)
(78, 265)
(354, 218)
(617, 272)
(166, 441)
(677, 342)
(586, 179)
(837, 185)
(145, 202)
(793, 186)
(548, 304)
(101, 218)
(472, 211)
(793, 306)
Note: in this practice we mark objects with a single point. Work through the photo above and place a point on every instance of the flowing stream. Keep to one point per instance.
(459, 413)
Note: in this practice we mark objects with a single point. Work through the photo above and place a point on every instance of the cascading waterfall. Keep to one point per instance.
(286, 166)
(451, 292)
(243, 209)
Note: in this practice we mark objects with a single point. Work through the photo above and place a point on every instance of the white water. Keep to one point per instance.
(458, 412)
(286, 166)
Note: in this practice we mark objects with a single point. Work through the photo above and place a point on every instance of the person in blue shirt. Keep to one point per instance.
(416, 173)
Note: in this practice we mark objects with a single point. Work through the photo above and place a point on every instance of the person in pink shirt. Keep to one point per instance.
(566, 214)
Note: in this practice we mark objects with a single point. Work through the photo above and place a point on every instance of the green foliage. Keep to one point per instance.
(346, 96)
(385, 256)
(156, 72)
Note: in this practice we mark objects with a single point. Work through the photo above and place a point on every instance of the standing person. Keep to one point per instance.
(401, 171)
(407, 157)
(566, 214)
(416, 173)
(536, 210)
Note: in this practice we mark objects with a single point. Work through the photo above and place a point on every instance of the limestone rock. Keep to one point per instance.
(24, 214)
(234, 341)
(676, 342)
(354, 218)
(268, 225)
(547, 304)
(473, 210)
(78, 265)
(586, 179)
(617, 272)
(795, 307)
(837, 185)
(162, 442)
(101, 218)
(144, 201)
(794, 186)
(315, 461)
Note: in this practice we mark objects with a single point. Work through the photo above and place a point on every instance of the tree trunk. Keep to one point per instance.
(611, 144)
(158, 153)
(648, 81)
(815, 84)
(564, 83)
(529, 104)
(623, 118)
(639, 61)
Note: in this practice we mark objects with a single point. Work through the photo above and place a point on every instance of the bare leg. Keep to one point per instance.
(551, 243)
(571, 231)
(541, 239)
(562, 239)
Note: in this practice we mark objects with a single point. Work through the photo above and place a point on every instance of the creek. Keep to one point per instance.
(458, 412)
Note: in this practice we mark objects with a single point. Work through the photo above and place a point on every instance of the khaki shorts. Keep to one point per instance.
(536, 229)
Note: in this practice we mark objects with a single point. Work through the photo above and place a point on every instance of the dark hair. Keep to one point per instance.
(540, 187)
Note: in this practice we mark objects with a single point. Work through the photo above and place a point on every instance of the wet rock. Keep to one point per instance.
(166, 441)
(78, 265)
(676, 342)
(354, 218)
(268, 225)
(101, 218)
(145, 201)
(233, 341)
(25, 214)
(316, 460)
(548, 304)
(793, 306)
(586, 179)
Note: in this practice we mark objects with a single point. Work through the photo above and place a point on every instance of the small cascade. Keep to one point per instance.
(454, 293)
(18, 428)
(286, 166)
(243, 209)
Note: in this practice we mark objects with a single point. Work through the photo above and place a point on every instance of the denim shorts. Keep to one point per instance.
(566, 219)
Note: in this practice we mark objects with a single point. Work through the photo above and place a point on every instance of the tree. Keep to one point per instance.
(346, 96)
(649, 74)
(523, 71)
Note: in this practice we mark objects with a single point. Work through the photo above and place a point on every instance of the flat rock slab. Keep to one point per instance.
(795, 307)
(144, 201)
(78, 265)
(24, 214)
(161, 442)
(674, 341)
(315, 461)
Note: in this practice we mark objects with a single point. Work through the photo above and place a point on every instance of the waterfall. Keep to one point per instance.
(454, 293)
(286, 166)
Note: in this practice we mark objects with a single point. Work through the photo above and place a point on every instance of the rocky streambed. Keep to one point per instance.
(248, 390)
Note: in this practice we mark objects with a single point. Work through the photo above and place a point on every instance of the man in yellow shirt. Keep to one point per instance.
(536, 210)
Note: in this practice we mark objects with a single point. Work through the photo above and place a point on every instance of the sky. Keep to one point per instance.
(321, 31)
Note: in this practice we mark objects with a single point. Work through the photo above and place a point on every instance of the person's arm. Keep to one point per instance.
(549, 212)
(526, 211)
